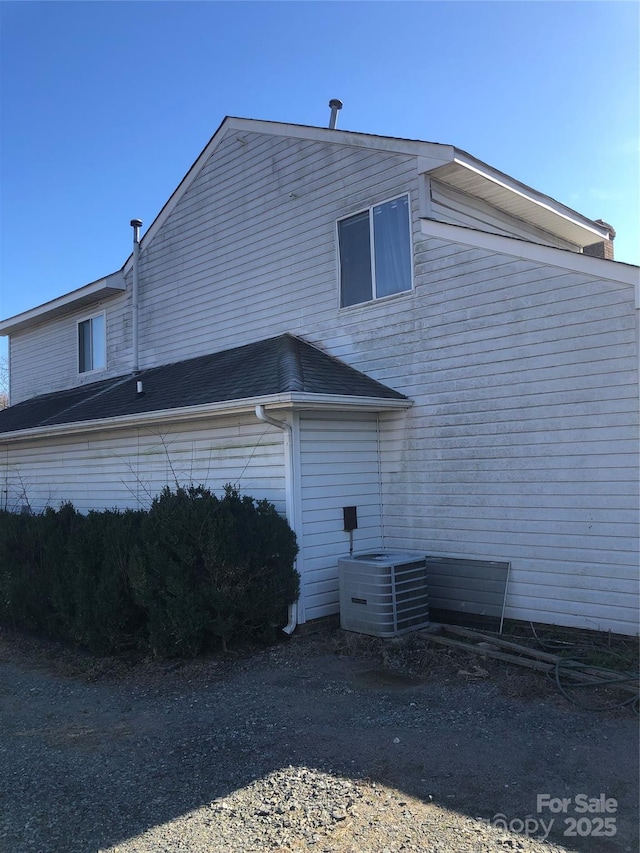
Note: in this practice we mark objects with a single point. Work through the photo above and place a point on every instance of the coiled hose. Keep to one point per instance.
(579, 661)
(611, 678)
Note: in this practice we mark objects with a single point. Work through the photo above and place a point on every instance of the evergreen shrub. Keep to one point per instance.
(33, 567)
(213, 570)
(103, 613)
(194, 572)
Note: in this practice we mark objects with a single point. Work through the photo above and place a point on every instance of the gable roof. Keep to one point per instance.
(448, 164)
(284, 367)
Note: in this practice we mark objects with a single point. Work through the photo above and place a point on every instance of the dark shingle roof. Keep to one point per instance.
(279, 365)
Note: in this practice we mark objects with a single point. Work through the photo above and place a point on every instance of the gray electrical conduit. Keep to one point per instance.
(290, 627)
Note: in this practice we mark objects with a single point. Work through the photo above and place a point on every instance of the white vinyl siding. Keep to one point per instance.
(129, 467)
(214, 277)
(522, 443)
(45, 358)
(339, 466)
(251, 250)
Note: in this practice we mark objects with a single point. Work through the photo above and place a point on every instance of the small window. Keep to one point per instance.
(375, 252)
(92, 353)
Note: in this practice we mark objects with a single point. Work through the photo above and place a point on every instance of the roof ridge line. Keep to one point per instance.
(291, 363)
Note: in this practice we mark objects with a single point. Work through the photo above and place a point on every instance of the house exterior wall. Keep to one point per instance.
(45, 358)
(252, 246)
(522, 443)
(339, 466)
(129, 467)
(248, 252)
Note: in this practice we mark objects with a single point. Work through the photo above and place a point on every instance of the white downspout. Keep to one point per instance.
(267, 419)
(290, 627)
(135, 224)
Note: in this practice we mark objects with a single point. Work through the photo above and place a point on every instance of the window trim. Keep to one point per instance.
(369, 209)
(79, 322)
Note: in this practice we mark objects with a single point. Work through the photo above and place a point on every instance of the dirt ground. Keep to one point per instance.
(330, 742)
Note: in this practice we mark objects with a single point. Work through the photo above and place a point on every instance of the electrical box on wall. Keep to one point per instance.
(350, 514)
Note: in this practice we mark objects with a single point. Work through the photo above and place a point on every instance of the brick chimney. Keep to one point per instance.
(603, 249)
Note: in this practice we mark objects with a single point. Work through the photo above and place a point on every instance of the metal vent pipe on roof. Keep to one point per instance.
(335, 105)
(136, 224)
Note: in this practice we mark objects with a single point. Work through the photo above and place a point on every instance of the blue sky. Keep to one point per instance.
(105, 105)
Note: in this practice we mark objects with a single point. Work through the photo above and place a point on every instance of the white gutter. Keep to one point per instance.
(135, 224)
(506, 182)
(290, 495)
(299, 400)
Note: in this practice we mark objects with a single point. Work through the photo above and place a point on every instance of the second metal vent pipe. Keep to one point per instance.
(136, 225)
(336, 105)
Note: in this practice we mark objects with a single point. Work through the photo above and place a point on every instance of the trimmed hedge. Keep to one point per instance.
(193, 572)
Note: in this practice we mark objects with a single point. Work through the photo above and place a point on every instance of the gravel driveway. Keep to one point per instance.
(298, 748)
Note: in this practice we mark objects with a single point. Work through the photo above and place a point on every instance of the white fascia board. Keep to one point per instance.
(111, 285)
(517, 188)
(550, 255)
(428, 162)
(415, 147)
(182, 188)
(280, 402)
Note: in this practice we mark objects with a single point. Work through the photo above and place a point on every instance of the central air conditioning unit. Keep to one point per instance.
(383, 594)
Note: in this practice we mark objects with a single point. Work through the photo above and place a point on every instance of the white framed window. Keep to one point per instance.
(375, 254)
(92, 344)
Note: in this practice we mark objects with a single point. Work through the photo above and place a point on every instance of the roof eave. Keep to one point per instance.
(431, 158)
(83, 297)
(564, 259)
(509, 194)
(282, 402)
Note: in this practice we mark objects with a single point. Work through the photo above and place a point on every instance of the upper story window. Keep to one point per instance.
(375, 252)
(92, 345)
